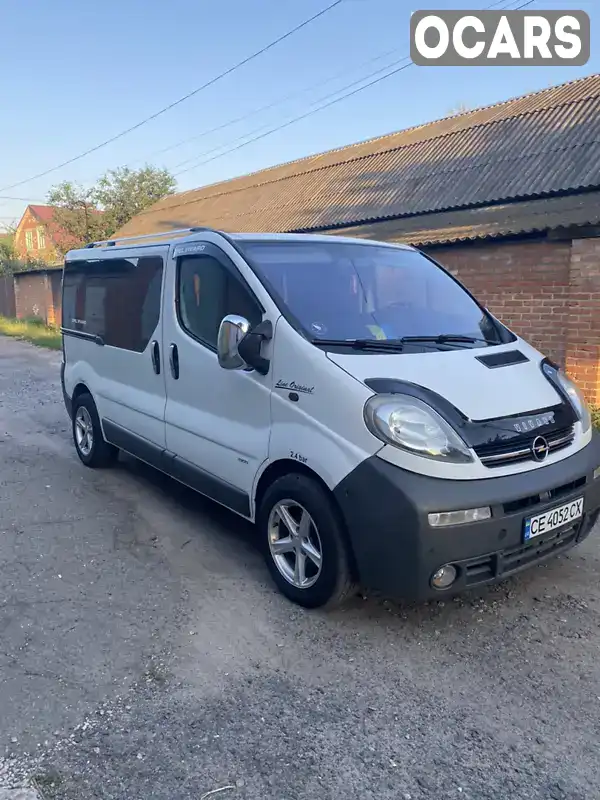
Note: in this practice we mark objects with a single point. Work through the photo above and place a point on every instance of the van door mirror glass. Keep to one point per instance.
(231, 332)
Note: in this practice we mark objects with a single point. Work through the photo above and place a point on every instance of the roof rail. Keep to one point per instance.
(113, 242)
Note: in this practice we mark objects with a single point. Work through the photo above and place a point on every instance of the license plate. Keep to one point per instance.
(555, 518)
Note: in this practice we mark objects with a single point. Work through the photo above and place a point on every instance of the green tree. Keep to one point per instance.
(122, 193)
(9, 258)
(76, 213)
(8, 250)
(98, 212)
(10, 261)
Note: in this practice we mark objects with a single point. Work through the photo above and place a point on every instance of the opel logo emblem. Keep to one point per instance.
(539, 448)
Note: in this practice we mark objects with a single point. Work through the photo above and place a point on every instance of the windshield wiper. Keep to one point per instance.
(397, 345)
(362, 344)
(446, 338)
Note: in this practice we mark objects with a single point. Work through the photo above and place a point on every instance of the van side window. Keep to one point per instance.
(207, 292)
(117, 299)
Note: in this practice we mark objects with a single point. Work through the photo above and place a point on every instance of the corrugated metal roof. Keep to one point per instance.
(543, 143)
(447, 227)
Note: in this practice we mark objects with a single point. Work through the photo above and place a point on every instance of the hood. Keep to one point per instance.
(478, 391)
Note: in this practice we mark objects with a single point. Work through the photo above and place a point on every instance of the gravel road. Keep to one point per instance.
(145, 654)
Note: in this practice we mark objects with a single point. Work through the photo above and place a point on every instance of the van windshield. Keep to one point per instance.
(345, 291)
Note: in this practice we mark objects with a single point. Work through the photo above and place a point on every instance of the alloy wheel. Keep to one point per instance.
(295, 544)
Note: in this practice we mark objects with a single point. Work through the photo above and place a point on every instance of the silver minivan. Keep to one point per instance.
(350, 397)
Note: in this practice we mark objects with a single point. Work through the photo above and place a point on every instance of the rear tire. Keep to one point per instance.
(92, 448)
(303, 542)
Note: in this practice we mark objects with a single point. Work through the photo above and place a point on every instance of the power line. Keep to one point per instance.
(222, 75)
(262, 127)
(291, 96)
(22, 199)
(172, 105)
(281, 101)
(300, 117)
(320, 108)
(323, 107)
(267, 107)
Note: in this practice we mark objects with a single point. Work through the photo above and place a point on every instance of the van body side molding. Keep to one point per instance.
(178, 468)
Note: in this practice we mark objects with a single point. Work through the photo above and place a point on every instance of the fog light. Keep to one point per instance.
(596, 473)
(442, 518)
(444, 577)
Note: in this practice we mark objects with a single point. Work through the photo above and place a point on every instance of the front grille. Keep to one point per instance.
(513, 506)
(504, 563)
(516, 557)
(504, 453)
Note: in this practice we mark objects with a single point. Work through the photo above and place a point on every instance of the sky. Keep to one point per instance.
(74, 74)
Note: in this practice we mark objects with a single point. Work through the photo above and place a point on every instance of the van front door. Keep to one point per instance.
(217, 421)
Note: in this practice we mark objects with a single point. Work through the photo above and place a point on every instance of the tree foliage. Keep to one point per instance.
(77, 214)
(9, 258)
(98, 212)
(10, 261)
(123, 193)
(8, 251)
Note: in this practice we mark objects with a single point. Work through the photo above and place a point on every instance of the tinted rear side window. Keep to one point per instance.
(117, 299)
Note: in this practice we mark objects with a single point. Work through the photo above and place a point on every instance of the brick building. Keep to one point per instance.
(39, 237)
(507, 196)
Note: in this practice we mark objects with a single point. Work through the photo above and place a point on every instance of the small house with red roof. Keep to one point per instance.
(39, 236)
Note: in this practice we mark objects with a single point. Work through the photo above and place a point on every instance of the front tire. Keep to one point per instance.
(304, 544)
(93, 450)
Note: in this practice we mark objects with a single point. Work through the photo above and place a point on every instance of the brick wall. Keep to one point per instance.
(583, 329)
(547, 291)
(37, 294)
(525, 284)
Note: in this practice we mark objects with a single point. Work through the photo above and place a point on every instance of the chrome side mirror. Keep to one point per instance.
(231, 332)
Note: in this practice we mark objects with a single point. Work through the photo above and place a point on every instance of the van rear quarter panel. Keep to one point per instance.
(122, 384)
(324, 429)
(77, 357)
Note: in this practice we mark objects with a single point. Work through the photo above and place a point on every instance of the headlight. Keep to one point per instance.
(412, 425)
(573, 393)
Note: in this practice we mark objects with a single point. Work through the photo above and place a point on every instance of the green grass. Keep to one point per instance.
(31, 330)
(595, 416)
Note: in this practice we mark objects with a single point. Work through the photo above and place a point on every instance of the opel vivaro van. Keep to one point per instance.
(350, 397)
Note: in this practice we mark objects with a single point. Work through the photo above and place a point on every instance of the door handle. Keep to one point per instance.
(155, 353)
(174, 361)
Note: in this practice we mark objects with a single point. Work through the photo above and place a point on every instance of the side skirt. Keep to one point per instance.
(178, 468)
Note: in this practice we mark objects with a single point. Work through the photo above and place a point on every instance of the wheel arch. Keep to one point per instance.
(288, 466)
(80, 389)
